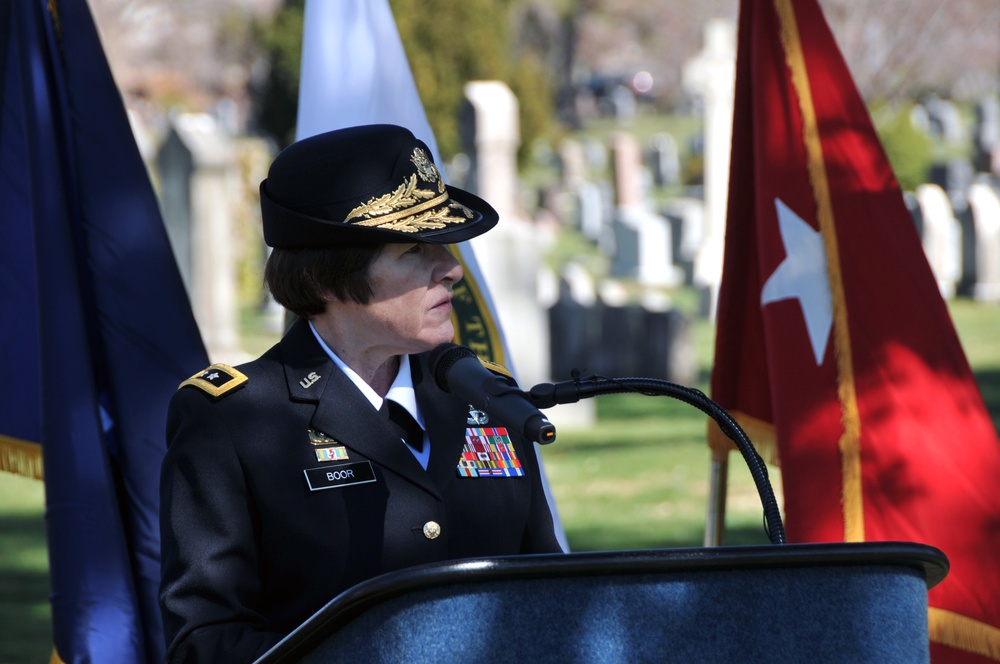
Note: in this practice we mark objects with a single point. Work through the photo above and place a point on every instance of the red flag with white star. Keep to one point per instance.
(833, 341)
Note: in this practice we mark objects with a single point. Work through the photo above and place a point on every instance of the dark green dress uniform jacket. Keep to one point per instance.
(249, 551)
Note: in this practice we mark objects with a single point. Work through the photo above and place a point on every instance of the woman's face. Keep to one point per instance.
(410, 308)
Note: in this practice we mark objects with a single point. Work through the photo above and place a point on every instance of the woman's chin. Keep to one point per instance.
(443, 335)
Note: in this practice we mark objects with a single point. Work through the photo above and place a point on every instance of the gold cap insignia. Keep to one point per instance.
(425, 168)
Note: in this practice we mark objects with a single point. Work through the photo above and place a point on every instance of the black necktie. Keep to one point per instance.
(403, 424)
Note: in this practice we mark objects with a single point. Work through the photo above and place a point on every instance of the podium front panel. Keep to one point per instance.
(814, 613)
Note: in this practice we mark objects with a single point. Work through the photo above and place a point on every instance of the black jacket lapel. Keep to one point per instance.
(342, 411)
(307, 367)
(445, 417)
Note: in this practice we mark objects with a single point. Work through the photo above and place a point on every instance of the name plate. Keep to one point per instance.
(345, 474)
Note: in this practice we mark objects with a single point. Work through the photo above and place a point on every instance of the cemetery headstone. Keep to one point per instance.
(199, 180)
(944, 119)
(510, 255)
(573, 163)
(687, 224)
(621, 322)
(573, 323)
(940, 237)
(591, 211)
(666, 348)
(985, 205)
(664, 160)
(987, 131)
(962, 211)
(711, 76)
(642, 238)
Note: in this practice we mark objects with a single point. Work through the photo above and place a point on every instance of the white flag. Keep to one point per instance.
(355, 72)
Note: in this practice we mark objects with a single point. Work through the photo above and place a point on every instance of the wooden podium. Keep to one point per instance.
(812, 603)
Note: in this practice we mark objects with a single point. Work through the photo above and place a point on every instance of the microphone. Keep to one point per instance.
(457, 370)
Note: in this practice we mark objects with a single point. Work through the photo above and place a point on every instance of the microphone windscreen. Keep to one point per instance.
(443, 358)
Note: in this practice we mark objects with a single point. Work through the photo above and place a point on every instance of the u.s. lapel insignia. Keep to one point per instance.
(488, 452)
(309, 380)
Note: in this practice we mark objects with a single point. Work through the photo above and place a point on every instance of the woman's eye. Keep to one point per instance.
(415, 249)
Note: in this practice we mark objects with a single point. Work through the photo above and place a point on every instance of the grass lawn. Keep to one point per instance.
(638, 478)
(25, 631)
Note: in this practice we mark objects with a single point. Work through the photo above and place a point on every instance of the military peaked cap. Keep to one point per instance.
(371, 184)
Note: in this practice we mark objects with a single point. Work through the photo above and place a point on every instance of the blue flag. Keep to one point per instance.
(96, 330)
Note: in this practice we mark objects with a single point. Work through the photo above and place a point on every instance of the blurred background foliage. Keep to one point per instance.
(910, 150)
(448, 43)
(547, 51)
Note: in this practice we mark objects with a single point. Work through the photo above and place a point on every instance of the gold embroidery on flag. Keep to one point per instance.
(850, 439)
(474, 324)
(53, 8)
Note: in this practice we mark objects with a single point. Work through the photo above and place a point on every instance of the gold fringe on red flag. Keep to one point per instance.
(963, 633)
(21, 457)
(760, 433)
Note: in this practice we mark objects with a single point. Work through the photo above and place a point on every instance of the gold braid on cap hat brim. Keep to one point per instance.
(401, 210)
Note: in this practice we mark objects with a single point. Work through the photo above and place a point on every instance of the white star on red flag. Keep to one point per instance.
(802, 276)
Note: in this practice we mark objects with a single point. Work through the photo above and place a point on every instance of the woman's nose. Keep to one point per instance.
(449, 268)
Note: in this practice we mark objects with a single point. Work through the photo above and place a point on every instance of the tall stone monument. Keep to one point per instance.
(986, 218)
(510, 256)
(199, 178)
(711, 76)
(940, 236)
(642, 238)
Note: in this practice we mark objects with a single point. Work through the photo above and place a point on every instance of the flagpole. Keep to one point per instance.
(715, 516)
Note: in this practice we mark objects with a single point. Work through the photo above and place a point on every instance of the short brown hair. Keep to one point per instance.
(299, 279)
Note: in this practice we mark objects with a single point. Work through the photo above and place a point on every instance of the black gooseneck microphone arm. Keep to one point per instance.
(546, 395)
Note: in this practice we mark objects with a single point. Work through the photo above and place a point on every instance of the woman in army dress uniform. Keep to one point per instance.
(334, 457)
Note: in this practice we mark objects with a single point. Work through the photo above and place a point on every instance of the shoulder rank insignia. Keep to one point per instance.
(217, 380)
(495, 368)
